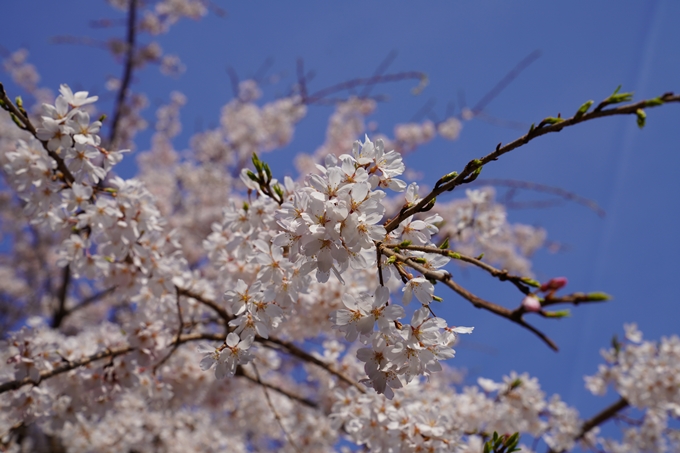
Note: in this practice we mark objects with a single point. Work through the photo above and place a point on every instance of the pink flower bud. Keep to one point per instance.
(531, 303)
(554, 284)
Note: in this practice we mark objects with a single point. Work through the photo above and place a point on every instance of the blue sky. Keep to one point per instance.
(588, 48)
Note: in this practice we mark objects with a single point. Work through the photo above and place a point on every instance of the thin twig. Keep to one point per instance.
(505, 81)
(543, 188)
(502, 275)
(271, 406)
(382, 67)
(272, 342)
(445, 278)
(90, 300)
(302, 81)
(300, 399)
(364, 81)
(175, 344)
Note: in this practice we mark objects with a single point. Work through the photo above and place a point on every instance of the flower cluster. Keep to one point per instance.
(119, 295)
(647, 376)
(433, 416)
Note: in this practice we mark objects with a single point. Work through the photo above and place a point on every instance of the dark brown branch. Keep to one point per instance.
(502, 275)
(222, 312)
(599, 418)
(61, 312)
(272, 342)
(295, 351)
(90, 300)
(127, 74)
(106, 353)
(445, 278)
(26, 125)
(472, 168)
(71, 365)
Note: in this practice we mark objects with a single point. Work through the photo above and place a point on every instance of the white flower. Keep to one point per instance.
(354, 319)
(235, 353)
(78, 99)
(421, 288)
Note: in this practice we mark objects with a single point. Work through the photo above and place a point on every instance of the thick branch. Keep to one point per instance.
(61, 312)
(272, 342)
(472, 168)
(127, 74)
(599, 418)
(295, 351)
(71, 365)
(222, 312)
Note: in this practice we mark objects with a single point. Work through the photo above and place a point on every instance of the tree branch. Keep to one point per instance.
(599, 418)
(365, 81)
(473, 167)
(61, 312)
(300, 399)
(89, 300)
(300, 353)
(258, 379)
(24, 123)
(127, 74)
(70, 365)
(222, 312)
(502, 275)
(445, 278)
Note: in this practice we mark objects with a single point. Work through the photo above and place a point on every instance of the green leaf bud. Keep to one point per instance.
(557, 314)
(641, 117)
(530, 282)
(584, 108)
(598, 296)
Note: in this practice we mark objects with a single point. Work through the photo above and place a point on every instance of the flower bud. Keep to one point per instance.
(531, 303)
(554, 284)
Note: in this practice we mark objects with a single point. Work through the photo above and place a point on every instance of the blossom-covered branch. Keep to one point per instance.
(546, 126)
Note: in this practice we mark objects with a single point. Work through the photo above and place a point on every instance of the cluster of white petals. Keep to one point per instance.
(647, 376)
(205, 306)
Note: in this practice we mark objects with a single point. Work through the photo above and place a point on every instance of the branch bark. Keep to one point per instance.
(472, 168)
